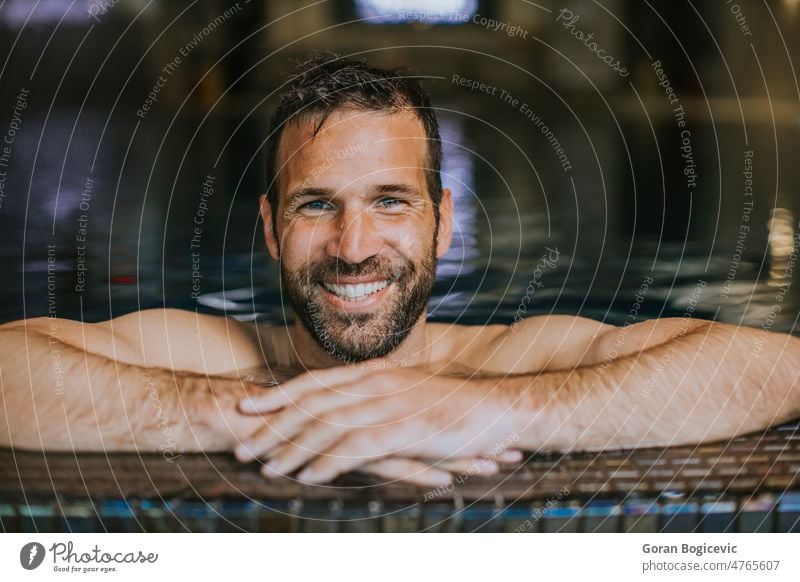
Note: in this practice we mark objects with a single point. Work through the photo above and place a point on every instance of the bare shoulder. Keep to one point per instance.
(174, 339)
(566, 325)
(462, 345)
(186, 340)
(545, 342)
(137, 325)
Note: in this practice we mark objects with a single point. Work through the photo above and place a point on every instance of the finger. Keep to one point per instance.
(289, 457)
(248, 449)
(243, 428)
(258, 445)
(354, 450)
(408, 471)
(286, 424)
(295, 388)
(318, 437)
(510, 456)
(470, 466)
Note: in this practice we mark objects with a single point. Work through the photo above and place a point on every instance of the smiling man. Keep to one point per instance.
(358, 244)
(356, 216)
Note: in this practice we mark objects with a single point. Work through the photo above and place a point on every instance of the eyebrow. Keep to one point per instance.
(306, 192)
(397, 188)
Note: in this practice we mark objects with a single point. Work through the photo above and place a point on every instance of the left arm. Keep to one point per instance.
(657, 383)
(694, 381)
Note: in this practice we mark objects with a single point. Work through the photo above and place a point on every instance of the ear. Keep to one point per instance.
(445, 236)
(270, 237)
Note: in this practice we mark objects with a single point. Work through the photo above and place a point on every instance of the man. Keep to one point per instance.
(356, 216)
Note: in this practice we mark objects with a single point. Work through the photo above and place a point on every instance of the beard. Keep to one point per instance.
(355, 337)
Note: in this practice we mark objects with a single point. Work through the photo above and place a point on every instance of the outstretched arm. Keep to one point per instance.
(663, 382)
(55, 396)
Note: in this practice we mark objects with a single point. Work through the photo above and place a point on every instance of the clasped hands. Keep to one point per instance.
(402, 424)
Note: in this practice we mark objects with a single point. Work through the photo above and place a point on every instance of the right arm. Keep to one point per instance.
(64, 390)
(147, 381)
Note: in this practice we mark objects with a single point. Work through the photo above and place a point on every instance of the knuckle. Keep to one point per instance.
(315, 434)
(305, 403)
(357, 439)
(337, 417)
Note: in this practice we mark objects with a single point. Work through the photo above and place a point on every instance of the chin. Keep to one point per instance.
(359, 341)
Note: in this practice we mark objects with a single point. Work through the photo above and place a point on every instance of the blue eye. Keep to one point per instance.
(316, 205)
(390, 202)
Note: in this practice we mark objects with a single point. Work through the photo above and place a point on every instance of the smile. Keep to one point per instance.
(356, 292)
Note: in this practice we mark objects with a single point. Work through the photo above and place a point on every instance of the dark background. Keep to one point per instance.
(622, 214)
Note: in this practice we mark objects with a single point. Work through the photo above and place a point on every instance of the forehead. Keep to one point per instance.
(352, 146)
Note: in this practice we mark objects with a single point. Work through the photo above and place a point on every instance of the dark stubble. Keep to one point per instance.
(355, 337)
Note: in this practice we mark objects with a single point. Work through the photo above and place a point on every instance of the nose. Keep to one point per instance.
(357, 237)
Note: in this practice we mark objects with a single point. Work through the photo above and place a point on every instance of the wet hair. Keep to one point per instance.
(327, 82)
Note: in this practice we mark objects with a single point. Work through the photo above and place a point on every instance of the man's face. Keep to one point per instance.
(357, 237)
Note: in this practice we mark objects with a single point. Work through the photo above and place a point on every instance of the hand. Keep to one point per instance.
(338, 419)
(209, 404)
(213, 405)
(431, 473)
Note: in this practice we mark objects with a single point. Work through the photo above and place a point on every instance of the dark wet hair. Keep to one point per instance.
(327, 82)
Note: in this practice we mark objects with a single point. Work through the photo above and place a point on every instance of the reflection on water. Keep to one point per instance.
(137, 251)
(633, 241)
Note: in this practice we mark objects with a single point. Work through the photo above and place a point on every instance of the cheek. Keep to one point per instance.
(409, 244)
(413, 239)
(304, 241)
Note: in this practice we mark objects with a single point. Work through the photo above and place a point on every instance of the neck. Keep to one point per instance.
(412, 351)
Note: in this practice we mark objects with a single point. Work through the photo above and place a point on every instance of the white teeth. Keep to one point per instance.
(355, 292)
